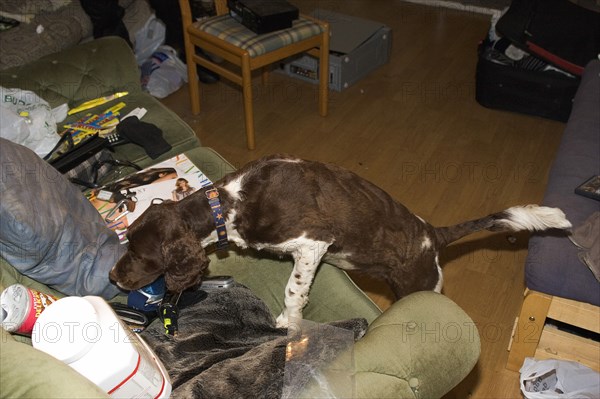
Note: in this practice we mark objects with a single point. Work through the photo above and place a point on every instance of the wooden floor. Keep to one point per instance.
(414, 128)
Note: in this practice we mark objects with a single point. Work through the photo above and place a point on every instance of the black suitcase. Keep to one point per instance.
(558, 31)
(526, 86)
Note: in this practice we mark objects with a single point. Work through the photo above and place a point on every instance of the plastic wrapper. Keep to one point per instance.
(163, 73)
(319, 361)
(553, 378)
(148, 38)
(28, 120)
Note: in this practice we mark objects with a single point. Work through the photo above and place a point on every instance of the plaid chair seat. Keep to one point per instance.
(228, 29)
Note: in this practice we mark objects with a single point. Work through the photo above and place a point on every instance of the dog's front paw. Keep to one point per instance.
(282, 320)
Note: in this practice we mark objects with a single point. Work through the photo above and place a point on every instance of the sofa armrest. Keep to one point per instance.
(553, 266)
(63, 27)
(30, 373)
(421, 347)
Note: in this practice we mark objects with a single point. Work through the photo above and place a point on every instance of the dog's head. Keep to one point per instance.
(160, 243)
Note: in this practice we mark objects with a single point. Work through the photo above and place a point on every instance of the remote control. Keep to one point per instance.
(115, 139)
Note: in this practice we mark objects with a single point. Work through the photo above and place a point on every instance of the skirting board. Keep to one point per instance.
(492, 7)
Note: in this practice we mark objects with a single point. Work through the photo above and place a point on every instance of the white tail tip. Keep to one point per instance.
(533, 217)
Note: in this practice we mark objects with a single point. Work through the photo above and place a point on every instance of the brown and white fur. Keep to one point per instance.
(311, 211)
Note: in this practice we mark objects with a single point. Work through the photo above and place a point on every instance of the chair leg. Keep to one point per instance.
(194, 88)
(324, 73)
(264, 75)
(528, 329)
(247, 93)
(193, 82)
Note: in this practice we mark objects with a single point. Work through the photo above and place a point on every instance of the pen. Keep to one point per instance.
(95, 102)
(91, 122)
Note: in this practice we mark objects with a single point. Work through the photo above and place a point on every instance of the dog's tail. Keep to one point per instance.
(518, 218)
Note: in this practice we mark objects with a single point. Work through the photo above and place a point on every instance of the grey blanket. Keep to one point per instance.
(228, 347)
(49, 231)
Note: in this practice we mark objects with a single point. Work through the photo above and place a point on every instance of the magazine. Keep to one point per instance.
(590, 188)
(122, 202)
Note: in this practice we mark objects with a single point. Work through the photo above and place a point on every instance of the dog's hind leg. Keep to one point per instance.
(307, 256)
(421, 273)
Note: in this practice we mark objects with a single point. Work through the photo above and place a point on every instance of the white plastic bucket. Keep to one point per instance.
(86, 334)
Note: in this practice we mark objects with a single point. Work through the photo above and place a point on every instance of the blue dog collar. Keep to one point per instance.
(217, 213)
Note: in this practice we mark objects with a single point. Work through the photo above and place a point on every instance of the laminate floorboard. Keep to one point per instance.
(413, 127)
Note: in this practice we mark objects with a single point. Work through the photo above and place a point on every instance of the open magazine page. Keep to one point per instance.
(122, 202)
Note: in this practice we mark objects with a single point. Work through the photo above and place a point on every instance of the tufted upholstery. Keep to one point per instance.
(54, 28)
(79, 74)
(417, 348)
(62, 28)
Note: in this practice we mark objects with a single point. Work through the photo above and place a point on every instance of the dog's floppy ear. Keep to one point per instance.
(185, 262)
(132, 271)
(142, 263)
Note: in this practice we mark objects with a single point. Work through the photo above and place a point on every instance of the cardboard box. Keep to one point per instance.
(357, 47)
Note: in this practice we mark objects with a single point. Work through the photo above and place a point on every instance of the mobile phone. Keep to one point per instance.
(213, 283)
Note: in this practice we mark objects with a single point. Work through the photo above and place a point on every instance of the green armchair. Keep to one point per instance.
(421, 347)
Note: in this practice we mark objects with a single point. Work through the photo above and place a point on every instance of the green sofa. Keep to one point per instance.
(95, 69)
(421, 347)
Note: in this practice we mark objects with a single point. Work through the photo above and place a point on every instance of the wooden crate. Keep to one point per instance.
(533, 337)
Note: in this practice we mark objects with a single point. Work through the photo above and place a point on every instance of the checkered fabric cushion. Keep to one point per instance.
(228, 29)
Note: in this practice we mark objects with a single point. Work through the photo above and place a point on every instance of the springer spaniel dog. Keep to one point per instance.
(311, 211)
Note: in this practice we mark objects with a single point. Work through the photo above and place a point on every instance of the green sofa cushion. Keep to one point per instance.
(29, 373)
(79, 74)
(333, 295)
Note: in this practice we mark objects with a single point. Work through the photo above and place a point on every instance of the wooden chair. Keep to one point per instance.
(533, 337)
(246, 51)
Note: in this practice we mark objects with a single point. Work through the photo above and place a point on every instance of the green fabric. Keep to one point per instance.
(175, 131)
(226, 28)
(421, 347)
(211, 163)
(9, 276)
(333, 296)
(415, 339)
(28, 373)
(80, 73)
